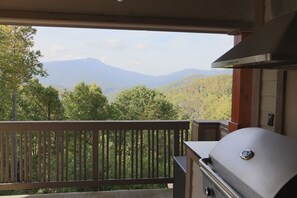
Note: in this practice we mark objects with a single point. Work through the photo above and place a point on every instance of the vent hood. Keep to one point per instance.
(273, 45)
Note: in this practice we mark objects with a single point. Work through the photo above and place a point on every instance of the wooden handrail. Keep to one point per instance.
(88, 153)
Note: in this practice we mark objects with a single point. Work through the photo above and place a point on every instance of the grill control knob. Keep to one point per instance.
(247, 154)
(208, 191)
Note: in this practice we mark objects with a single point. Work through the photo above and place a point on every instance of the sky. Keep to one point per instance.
(146, 52)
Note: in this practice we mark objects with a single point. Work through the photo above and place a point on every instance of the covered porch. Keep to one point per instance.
(257, 93)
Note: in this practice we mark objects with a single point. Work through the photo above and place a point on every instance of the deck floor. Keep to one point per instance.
(147, 193)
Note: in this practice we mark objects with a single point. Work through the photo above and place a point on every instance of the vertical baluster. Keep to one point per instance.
(107, 154)
(95, 155)
(67, 155)
(149, 152)
(186, 139)
(182, 141)
(6, 158)
(132, 153)
(141, 153)
(169, 149)
(74, 160)
(57, 155)
(62, 155)
(153, 153)
(39, 154)
(157, 153)
(2, 157)
(12, 145)
(85, 155)
(120, 154)
(30, 157)
(44, 156)
(49, 156)
(115, 153)
(3, 179)
(80, 155)
(22, 154)
(164, 143)
(25, 158)
(103, 153)
(136, 155)
(124, 134)
(99, 154)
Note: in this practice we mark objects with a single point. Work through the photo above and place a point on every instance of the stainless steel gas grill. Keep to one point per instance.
(251, 162)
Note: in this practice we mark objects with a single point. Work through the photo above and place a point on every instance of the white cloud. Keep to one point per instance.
(114, 44)
(132, 62)
(141, 46)
(55, 48)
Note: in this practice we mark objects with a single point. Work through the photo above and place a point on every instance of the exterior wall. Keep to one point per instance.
(267, 97)
(278, 93)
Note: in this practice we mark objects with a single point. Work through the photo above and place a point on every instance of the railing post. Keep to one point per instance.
(176, 142)
(95, 157)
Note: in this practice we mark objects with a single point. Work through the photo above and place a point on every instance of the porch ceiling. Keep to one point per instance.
(214, 16)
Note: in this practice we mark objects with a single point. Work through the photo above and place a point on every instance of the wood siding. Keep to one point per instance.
(268, 97)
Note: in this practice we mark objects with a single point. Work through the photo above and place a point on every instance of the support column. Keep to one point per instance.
(241, 94)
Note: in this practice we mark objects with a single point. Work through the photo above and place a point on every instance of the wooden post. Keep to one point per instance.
(241, 94)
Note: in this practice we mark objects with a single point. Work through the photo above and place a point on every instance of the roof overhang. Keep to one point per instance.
(212, 16)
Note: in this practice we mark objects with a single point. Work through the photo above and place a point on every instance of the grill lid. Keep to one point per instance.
(256, 162)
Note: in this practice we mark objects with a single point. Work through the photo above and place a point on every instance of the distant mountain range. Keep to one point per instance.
(66, 74)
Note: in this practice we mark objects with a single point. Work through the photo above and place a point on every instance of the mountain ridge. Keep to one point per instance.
(66, 74)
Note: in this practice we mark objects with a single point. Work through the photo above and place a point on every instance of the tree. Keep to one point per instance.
(39, 103)
(5, 102)
(85, 102)
(141, 103)
(18, 61)
(205, 98)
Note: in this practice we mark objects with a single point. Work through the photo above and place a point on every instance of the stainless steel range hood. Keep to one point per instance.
(273, 45)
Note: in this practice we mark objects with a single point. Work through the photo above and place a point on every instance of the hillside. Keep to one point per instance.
(206, 98)
(66, 74)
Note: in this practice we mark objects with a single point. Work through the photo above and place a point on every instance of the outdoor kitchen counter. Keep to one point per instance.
(201, 148)
(195, 151)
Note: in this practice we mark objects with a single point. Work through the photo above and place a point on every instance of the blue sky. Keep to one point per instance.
(147, 52)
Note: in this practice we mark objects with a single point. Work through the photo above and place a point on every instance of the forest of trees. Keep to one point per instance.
(202, 98)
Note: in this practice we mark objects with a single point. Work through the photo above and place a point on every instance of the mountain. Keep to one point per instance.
(66, 74)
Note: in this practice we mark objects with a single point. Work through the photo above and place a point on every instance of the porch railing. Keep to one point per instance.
(88, 153)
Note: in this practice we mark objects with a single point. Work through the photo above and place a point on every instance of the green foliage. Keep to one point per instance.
(85, 102)
(5, 102)
(18, 64)
(18, 61)
(141, 103)
(203, 98)
(36, 102)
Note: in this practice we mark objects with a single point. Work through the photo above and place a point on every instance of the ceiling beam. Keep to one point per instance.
(211, 16)
(122, 22)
